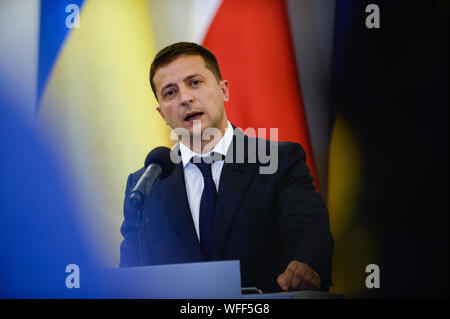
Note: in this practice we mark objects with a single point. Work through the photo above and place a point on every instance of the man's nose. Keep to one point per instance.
(186, 97)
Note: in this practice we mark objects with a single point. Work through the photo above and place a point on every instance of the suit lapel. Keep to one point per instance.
(172, 192)
(234, 181)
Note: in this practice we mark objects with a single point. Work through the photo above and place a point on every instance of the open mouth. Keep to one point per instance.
(192, 116)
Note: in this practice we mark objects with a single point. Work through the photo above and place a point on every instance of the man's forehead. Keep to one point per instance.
(179, 68)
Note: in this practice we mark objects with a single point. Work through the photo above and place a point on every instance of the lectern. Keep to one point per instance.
(202, 280)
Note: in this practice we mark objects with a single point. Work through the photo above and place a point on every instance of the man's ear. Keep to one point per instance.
(162, 114)
(225, 90)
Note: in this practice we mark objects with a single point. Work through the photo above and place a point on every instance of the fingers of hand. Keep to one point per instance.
(281, 280)
(288, 276)
(290, 279)
(298, 276)
(315, 282)
(307, 281)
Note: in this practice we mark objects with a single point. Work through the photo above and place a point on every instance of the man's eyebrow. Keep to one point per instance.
(191, 76)
(187, 78)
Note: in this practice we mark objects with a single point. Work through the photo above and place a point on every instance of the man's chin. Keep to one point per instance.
(195, 128)
(186, 133)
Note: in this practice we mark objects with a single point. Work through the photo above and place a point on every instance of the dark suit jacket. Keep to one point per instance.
(265, 221)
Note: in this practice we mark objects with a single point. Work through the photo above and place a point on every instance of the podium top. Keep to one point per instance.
(309, 294)
(200, 280)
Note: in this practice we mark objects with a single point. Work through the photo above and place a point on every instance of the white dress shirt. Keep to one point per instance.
(194, 178)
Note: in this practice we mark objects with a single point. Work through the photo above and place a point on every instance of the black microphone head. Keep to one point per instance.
(161, 156)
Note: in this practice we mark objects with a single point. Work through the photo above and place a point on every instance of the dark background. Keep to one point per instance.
(392, 85)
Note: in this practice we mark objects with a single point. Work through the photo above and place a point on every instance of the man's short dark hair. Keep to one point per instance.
(174, 51)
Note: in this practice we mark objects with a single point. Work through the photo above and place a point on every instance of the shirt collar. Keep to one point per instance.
(221, 147)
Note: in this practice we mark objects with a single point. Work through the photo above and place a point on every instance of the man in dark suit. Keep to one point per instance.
(265, 214)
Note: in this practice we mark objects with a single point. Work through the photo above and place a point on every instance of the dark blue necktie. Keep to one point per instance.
(207, 208)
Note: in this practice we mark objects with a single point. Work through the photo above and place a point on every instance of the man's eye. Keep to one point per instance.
(196, 82)
(170, 93)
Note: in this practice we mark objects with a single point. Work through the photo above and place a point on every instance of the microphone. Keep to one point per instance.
(157, 164)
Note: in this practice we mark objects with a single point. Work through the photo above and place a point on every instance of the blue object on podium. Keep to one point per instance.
(201, 280)
(218, 279)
